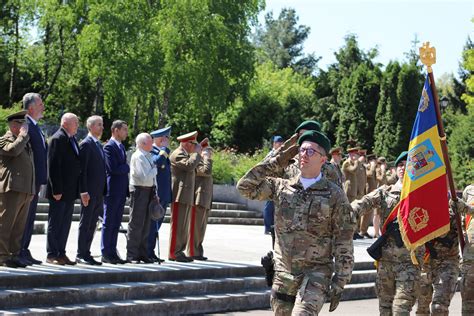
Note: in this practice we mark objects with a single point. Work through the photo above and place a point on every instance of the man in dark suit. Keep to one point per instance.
(63, 187)
(93, 188)
(33, 104)
(117, 170)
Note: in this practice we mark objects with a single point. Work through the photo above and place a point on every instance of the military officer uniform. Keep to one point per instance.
(17, 187)
(313, 233)
(371, 184)
(397, 283)
(160, 157)
(440, 273)
(349, 169)
(467, 265)
(183, 170)
(337, 167)
(202, 204)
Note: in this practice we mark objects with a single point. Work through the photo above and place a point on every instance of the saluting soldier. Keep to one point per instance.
(336, 158)
(202, 203)
(349, 169)
(160, 157)
(184, 161)
(17, 186)
(313, 228)
(371, 184)
(440, 273)
(397, 283)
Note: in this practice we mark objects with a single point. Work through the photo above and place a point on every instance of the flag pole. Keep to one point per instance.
(428, 58)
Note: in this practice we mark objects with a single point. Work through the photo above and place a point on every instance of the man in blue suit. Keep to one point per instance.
(63, 187)
(93, 188)
(117, 170)
(160, 155)
(34, 105)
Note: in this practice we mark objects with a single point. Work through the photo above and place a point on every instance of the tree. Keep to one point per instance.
(281, 41)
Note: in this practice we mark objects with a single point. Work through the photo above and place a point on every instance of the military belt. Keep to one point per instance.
(283, 297)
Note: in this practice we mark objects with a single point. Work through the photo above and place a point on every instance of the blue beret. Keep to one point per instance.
(161, 132)
(277, 139)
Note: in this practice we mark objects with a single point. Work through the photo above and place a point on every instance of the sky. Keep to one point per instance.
(386, 24)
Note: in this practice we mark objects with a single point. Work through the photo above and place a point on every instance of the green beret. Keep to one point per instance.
(309, 125)
(401, 157)
(315, 137)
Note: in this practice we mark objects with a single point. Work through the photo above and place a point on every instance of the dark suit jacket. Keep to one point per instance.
(117, 170)
(93, 178)
(40, 153)
(64, 167)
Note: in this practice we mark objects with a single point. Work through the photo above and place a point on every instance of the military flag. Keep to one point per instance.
(423, 211)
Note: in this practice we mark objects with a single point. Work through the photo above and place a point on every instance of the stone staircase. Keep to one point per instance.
(221, 213)
(170, 288)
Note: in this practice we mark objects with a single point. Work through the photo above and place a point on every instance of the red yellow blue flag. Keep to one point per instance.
(423, 212)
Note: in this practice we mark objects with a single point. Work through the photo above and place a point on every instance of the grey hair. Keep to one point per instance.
(141, 139)
(67, 117)
(93, 120)
(29, 99)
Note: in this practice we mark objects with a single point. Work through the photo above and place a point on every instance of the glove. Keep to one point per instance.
(335, 293)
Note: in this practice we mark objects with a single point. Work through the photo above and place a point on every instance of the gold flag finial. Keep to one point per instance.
(428, 55)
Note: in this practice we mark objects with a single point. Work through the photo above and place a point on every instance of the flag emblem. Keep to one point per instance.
(422, 159)
(418, 218)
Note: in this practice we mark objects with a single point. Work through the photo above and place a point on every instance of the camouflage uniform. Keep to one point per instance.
(397, 283)
(313, 246)
(440, 273)
(467, 265)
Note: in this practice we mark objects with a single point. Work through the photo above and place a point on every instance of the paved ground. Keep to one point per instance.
(235, 243)
(350, 308)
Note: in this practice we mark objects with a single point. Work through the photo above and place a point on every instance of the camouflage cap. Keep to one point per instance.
(309, 125)
(315, 137)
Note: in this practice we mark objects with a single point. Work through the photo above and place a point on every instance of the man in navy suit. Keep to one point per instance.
(63, 187)
(34, 105)
(160, 155)
(93, 188)
(117, 171)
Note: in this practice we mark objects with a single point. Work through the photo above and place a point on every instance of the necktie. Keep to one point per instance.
(74, 146)
(99, 145)
(122, 149)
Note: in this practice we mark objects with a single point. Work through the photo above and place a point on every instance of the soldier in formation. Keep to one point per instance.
(398, 279)
(313, 227)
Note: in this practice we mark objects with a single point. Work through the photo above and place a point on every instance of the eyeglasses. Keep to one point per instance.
(309, 151)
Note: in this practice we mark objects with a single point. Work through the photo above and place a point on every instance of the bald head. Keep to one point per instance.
(70, 123)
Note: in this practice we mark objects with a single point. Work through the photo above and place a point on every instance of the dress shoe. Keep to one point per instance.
(120, 260)
(147, 260)
(133, 260)
(357, 236)
(30, 258)
(111, 260)
(8, 263)
(156, 259)
(88, 260)
(181, 259)
(16, 262)
(54, 260)
(200, 258)
(67, 261)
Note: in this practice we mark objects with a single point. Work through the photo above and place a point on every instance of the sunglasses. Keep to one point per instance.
(309, 151)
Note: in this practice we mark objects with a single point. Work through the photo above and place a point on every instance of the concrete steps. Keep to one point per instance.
(221, 213)
(171, 288)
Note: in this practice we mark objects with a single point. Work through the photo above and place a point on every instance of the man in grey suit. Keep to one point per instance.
(17, 186)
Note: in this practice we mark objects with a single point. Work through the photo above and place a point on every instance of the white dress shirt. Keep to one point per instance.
(142, 169)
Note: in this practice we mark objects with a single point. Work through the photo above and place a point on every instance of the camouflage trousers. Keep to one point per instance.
(438, 285)
(310, 291)
(467, 288)
(397, 287)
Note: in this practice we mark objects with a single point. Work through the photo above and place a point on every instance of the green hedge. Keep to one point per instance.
(228, 167)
